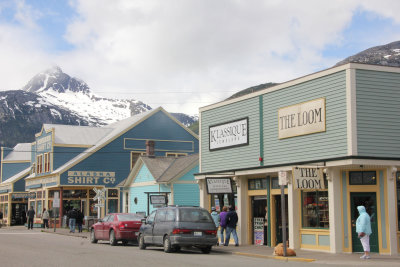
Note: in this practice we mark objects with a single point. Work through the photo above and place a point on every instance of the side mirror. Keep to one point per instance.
(100, 220)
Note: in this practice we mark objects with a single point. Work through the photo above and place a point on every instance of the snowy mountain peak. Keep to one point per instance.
(56, 80)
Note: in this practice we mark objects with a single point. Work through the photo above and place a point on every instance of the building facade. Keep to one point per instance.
(333, 135)
(70, 162)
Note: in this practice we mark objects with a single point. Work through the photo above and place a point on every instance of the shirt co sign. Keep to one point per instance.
(302, 119)
(229, 134)
(308, 178)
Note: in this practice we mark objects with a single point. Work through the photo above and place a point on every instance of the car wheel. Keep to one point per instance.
(93, 236)
(113, 240)
(124, 242)
(167, 245)
(206, 250)
(142, 245)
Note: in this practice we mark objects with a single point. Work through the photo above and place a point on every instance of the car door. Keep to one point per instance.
(159, 227)
(107, 226)
(147, 228)
(100, 228)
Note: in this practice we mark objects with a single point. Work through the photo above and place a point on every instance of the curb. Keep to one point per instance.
(58, 233)
(281, 258)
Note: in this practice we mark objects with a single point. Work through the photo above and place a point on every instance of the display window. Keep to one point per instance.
(258, 184)
(315, 211)
(362, 178)
(398, 199)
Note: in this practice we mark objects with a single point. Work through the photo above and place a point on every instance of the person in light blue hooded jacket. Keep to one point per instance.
(363, 229)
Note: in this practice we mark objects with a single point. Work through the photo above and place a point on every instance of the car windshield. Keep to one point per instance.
(129, 217)
(194, 215)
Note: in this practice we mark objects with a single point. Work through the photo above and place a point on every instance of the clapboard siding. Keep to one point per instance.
(231, 158)
(11, 169)
(189, 176)
(138, 192)
(328, 144)
(144, 175)
(378, 109)
(186, 194)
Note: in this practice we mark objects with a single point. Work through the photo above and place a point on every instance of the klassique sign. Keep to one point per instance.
(301, 119)
(308, 178)
(229, 134)
(219, 185)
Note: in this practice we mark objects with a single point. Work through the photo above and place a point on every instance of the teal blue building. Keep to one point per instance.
(172, 177)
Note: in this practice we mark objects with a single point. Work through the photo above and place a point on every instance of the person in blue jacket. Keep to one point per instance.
(216, 218)
(363, 229)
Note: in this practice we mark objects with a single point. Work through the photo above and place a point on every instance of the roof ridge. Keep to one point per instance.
(170, 165)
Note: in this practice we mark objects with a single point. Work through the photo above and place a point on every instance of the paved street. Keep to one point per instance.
(21, 247)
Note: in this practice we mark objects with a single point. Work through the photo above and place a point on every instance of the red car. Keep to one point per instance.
(116, 227)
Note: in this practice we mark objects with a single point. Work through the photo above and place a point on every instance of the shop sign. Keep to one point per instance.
(56, 200)
(308, 178)
(158, 199)
(229, 134)
(16, 196)
(43, 144)
(91, 177)
(219, 185)
(258, 230)
(302, 119)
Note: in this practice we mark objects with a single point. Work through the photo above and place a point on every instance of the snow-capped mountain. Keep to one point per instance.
(385, 55)
(53, 96)
(61, 90)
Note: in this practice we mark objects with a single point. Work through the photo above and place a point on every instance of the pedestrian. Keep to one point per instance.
(72, 215)
(222, 223)
(30, 215)
(45, 218)
(363, 229)
(79, 220)
(1, 218)
(216, 218)
(231, 222)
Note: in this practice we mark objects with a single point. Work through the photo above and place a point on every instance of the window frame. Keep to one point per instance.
(141, 153)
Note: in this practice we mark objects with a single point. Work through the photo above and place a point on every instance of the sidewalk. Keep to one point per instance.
(313, 257)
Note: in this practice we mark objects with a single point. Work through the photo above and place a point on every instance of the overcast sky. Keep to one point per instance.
(184, 54)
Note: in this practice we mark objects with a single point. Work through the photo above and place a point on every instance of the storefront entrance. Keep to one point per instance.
(368, 200)
(259, 220)
(18, 213)
(278, 218)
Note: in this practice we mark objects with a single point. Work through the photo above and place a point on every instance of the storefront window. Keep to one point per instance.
(92, 208)
(74, 193)
(112, 206)
(39, 208)
(398, 199)
(315, 209)
(362, 178)
(112, 192)
(258, 184)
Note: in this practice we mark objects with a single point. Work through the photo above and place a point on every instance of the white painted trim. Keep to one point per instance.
(335, 210)
(351, 111)
(200, 150)
(144, 184)
(392, 220)
(184, 182)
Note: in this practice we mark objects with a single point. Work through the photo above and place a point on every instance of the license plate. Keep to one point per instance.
(197, 233)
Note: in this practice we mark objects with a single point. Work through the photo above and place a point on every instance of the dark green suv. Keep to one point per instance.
(176, 227)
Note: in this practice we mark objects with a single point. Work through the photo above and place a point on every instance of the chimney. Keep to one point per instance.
(150, 148)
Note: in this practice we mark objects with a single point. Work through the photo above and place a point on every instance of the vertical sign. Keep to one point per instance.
(258, 230)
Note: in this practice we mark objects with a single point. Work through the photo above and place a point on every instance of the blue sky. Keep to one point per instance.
(184, 54)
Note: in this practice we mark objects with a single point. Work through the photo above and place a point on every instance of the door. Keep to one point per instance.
(259, 219)
(278, 219)
(107, 226)
(368, 200)
(100, 228)
(160, 227)
(147, 228)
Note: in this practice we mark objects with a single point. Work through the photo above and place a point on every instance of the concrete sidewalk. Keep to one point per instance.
(345, 259)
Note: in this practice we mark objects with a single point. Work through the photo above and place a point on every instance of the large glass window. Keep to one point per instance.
(112, 206)
(92, 208)
(315, 209)
(257, 184)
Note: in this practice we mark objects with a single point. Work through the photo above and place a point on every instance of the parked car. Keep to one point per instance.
(176, 227)
(116, 227)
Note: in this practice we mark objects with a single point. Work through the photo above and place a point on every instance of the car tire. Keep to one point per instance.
(93, 237)
(167, 245)
(113, 240)
(125, 242)
(206, 250)
(142, 245)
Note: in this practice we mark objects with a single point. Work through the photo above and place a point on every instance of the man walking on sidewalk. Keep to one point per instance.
(231, 222)
(72, 215)
(30, 214)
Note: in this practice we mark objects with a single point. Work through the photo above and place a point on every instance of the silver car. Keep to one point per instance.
(176, 227)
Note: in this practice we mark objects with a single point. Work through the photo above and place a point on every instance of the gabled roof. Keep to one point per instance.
(117, 129)
(21, 152)
(77, 135)
(17, 176)
(163, 169)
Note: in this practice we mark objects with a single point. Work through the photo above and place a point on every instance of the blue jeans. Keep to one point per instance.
(230, 230)
(72, 225)
(221, 231)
